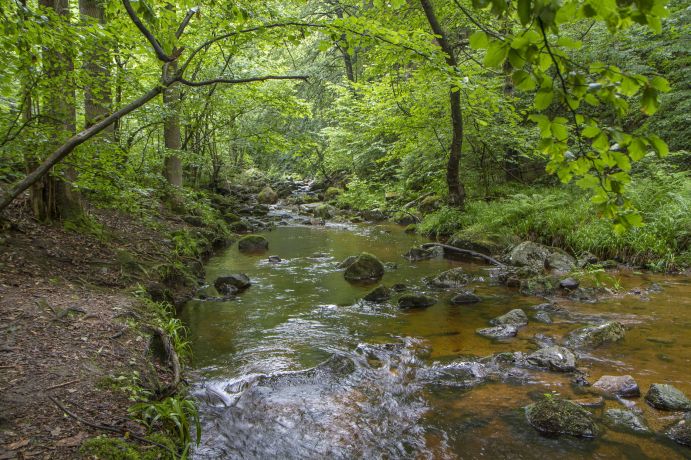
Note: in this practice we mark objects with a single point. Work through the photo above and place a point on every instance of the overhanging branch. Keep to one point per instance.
(158, 49)
(214, 81)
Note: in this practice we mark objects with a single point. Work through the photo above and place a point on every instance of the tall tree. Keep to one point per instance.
(171, 129)
(97, 92)
(453, 181)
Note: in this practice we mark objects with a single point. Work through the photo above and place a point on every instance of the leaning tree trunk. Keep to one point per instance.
(453, 181)
(54, 196)
(171, 131)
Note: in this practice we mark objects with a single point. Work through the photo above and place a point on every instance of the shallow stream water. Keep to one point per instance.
(298, 366)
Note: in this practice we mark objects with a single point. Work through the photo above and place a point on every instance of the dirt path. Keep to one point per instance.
(67, 329)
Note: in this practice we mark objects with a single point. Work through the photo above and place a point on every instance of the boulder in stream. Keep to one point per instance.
(347, 262)
(378, 294)
(463, 298)
(626, 420)
(538, 257)
(231, 284)
(418, 253)
(594, 336)
(253, 243)
(618, 385)
(416, 301)
(569, 284)
(681, 432)
(554, 358)
(556, 416)
(267, 196)
(667, 397)
(515, 317)
(365, 267)
(453, 278)
(498, 332)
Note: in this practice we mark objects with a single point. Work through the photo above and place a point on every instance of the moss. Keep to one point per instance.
(366, 267)
(411, 228)
(253, 243)
(558, 416)
(105, 448)
(332, 193)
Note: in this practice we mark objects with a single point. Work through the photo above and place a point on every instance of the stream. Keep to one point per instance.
(298, 366)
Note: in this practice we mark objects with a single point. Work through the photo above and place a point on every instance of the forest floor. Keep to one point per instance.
(68, 329)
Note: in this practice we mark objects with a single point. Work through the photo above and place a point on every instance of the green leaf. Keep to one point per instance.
(543, 99)
(496, 54)
(659, 145)
(568, 42)
(523, 80)
(601, 143)
(660, 84)
(479, 40)
(590, 131)
(524, 11)
(649, 102)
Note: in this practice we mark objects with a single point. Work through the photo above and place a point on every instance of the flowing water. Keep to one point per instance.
(298, 367)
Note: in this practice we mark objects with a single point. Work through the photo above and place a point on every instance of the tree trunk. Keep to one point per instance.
(97, 93)
(453, 181)
(171, 132)
(53, 196)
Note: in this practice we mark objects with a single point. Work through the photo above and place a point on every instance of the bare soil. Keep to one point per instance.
(66, 328)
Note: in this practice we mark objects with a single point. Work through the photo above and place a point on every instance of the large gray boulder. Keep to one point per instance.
(554, 358)
(618, 385)
(453, 278)
(667, 397)
(556, 416)
(515, 317)
(366, 267)
(594, 336)
(231, 284)
(538, 256)
(267, 196)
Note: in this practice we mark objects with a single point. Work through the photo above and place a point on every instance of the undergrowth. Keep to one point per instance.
(564, 217)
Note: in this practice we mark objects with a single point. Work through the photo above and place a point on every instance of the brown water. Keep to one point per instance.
(299, 367)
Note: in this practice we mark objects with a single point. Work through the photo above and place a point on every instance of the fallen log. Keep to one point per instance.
(466, 252)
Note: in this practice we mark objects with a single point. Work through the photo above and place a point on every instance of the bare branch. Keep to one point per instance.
(160, 54)
(213, 81)
(186, 21)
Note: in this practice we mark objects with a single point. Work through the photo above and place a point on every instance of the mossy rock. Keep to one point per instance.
(378, 294)
(267, 196)
(106, 448)
(430, 204)
(416, 301)
(366, 267)
(332, 193)
(452, 278)
(231, 217)
(667, 397)
(253, 243)
(594, 336)
(556, 416)
(483, 243)
(411, 228)
(681, 432)
(323, 211)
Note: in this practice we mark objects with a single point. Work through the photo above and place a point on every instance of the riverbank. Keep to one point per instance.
(81, 303)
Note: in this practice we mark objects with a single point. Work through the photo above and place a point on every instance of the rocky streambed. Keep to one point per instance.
(325, 338)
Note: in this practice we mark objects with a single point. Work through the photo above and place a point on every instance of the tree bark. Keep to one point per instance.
(97, 93)
(453, 181)
(172, 168)
(55, 197)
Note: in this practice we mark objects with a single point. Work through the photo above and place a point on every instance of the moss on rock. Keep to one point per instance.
(253, 243)
(558, 416)
(365, 267)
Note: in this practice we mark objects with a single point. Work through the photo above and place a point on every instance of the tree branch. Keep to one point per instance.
(160, 54)
(213, 81)
(186, 21)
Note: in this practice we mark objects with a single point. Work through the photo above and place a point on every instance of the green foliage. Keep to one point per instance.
(105, 448)
(176, 416)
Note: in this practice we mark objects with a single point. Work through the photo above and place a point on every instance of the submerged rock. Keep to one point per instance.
(554, 358)
(274, 259)
(594, 336)
(453, 278)
(463, 298)
(419, 254)
(667, 397)
(681, 432)
(618, 385)
(627, 420)
(399, 287)
(498, 332)
(515, 317)
(543, 317)
(416, 301)
(231, 284)
(558, 416)
(253, 243)
(365, 267)
(379, 294)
